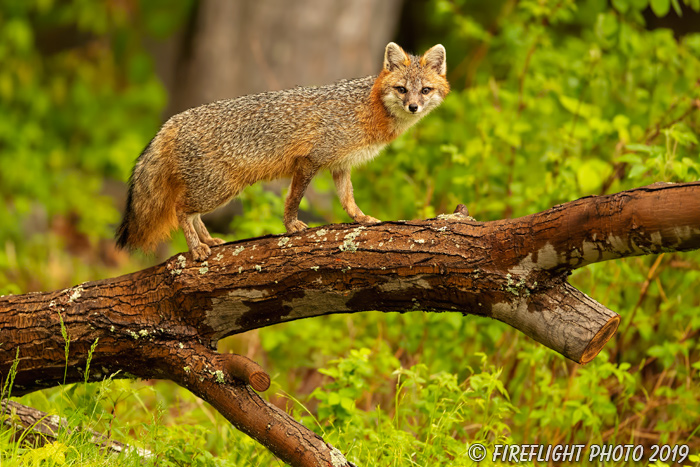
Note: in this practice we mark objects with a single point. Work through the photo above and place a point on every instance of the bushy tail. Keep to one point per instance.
(150, 204)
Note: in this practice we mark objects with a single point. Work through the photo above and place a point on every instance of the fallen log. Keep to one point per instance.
(165, 321)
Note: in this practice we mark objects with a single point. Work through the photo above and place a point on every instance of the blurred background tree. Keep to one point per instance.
(552, 100)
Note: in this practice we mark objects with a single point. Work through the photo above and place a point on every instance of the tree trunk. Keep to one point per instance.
(164, 322)
(233, 48)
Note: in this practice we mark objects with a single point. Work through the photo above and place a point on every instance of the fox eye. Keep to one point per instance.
(401, 89)
(426, 90)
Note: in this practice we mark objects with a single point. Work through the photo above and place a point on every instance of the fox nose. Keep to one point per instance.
(413, 108)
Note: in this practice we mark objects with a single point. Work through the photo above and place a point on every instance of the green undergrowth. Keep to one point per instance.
(418, 390)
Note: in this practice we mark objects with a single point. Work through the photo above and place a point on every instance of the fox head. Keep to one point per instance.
(413, 86)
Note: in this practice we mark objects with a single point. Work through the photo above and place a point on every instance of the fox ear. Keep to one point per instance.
(436, 58)
(394, 56)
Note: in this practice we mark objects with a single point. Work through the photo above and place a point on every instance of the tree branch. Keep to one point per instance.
(165, 321)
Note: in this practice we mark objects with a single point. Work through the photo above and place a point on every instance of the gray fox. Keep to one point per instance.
(203, 157)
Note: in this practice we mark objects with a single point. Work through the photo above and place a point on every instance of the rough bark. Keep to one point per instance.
(164, 322)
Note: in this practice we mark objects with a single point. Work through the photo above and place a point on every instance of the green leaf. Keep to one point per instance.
(53, 453)
(677, 7)
(653, 150)
(333, 398)
(606, 26)
(347, 403)
(18, 33)
(637, 170)
(660, 7)
(621, 5)
(591, 174)
(577, 107)
(681, 134)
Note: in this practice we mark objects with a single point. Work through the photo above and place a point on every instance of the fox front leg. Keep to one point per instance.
(344, 187)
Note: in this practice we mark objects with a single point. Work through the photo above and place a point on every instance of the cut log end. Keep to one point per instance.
(600, 339)
(260, 381)
(246, 370)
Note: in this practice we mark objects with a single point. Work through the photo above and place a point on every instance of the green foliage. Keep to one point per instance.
(552, 100)
(78, 102)
(431, 411)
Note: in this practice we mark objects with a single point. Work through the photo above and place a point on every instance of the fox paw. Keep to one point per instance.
(200, 252)
(214, 241)
(295, 226)
(364, 219)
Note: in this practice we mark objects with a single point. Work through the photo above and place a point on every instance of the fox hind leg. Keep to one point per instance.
(200, 251)
(303, 173)
(203, 233)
